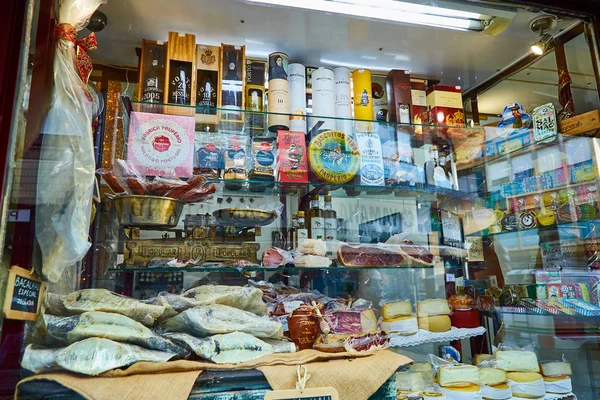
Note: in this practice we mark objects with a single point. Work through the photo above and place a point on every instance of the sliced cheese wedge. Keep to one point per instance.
(517, 361)
(555, 368)
(458, 375)
(492, 376)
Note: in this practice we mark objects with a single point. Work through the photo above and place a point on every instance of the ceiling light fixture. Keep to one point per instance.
(541, 25)
(401, 11)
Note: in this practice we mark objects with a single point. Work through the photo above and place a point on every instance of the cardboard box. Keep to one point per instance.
(181, 56)
(445, 105)
(255, 93)
(152, 50)
(399, 95)
(208, 79)
(418, 94)
(585, 124)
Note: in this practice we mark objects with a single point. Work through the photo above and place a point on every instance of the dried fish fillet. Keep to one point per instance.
(104, 300)
(231, 348)
(91, 356)
(216, 319)
(52, 330)
(244, 298)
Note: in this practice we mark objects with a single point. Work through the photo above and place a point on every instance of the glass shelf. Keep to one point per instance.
(530, 314)
(263, 269)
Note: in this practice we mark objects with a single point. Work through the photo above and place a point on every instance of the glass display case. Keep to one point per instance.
(252, 199)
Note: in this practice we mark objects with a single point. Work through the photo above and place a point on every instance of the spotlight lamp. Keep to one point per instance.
(541, 25)
(540, 47)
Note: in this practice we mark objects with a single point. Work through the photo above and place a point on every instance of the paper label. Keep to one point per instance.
(475, 248)
(161, 144)
(317, 228)
(331, 229)
(23, 295)
(419, 97)
(327, 393)
(371, 159)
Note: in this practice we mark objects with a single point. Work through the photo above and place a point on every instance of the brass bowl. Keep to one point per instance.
(148, 211)
(244, 217)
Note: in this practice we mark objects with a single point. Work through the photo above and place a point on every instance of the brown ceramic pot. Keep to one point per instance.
(304, 327)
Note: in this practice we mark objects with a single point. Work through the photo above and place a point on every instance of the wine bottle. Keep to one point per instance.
(180, 83)
(153, 85)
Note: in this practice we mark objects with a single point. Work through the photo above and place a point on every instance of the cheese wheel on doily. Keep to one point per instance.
(526, 384)
(438, 323)
(396, 309)
(558, 384)
(432, 395)
(496, 392)
(431, 307)
(400, 325)
(471, 392)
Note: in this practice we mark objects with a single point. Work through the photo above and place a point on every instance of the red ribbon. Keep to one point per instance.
(84, 62)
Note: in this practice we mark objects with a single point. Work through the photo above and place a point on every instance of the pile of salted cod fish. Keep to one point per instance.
(92, 331)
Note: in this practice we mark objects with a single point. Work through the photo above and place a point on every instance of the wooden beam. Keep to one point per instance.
(520, 64)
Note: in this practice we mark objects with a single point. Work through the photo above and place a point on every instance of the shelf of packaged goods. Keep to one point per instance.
(528, 316)
(534, 231)
(423, 336)
(408, 189)
(554, 189)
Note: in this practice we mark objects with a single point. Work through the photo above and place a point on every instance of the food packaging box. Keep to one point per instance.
(581, 307)
(445, 105)
(399, 96)
(292, 161)
(579, 124)
(180, 85)
(255, 94)
(208, 78)
(380, 98)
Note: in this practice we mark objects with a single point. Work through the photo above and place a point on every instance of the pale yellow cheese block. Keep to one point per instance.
(431, 307)
(438, 323)
(396, 309)
(492, 376)
(517, 361)
(458, 375)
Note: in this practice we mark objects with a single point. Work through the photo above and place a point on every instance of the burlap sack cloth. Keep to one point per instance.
(355, 378)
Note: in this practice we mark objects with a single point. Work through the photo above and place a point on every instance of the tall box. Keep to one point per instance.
(418, 95)
(208, 78)
(398, 88)
(256, 72)
(151, 87)
(445, 105)
(233, 83)
(180, 85)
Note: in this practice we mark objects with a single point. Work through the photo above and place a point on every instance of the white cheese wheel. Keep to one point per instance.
(429, 307)
(396, 309)
(432, 395)
(438, 323)
(526, 384)
(400, 325)
(560, 385)
(496, 392)
(517, 361)
(471, 392)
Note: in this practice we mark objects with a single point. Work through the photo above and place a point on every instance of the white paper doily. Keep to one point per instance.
(433, 337)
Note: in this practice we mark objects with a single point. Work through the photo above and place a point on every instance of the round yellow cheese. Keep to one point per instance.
(469, 388)
(438, 323)
(522, 377)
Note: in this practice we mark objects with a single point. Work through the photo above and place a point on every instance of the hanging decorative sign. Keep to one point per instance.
(24, 293)
(327, 393)
(514, 121)
(544, 122)
(161, 144)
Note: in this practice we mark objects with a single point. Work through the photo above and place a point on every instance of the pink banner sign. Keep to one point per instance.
(161, 145)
